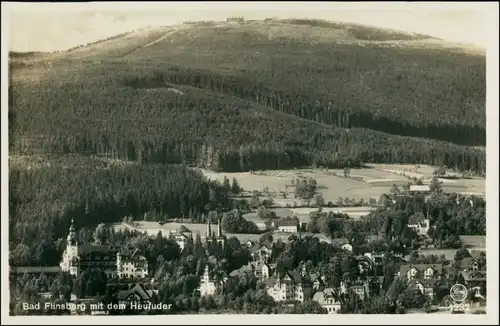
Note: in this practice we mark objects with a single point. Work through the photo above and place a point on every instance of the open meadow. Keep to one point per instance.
(364, 183)
(152, 229)
(474, 186)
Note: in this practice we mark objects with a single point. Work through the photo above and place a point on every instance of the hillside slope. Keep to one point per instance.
(255, 96)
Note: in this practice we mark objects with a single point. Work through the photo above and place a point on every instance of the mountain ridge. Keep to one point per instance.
(288, 68)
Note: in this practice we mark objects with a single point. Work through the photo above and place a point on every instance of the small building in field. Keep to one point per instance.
(288, 225)
(422, 189)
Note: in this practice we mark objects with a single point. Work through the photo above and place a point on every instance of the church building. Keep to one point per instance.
(108, 258)
(211, 237)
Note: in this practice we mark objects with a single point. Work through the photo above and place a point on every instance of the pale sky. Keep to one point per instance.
(52, 26)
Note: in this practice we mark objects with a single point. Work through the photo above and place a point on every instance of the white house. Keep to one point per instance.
(421, 271)
(420, 189)
(287, 225)
(262, 270)
(290, 287)
(419, 223)
(328, 299)
(131, 265)
(425, 286)
(262, 252)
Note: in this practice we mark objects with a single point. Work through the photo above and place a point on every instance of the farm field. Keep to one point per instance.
(303, 213)
(476, 186)
(474, 242)
(329, 185)
(364, 183)
(152, 228)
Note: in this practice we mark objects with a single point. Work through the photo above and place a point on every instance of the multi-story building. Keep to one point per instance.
(107, 258)
(131, 264)
(289, 287)
(262, 271)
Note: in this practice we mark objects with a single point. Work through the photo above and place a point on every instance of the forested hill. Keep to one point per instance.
(255, 95)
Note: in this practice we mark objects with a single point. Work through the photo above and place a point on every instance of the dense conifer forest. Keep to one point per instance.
(275, 95)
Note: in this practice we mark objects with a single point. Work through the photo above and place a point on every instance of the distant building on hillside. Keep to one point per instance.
(419, 223)
(342, 243)
(287, 225)
(236, 20)
(423, 189)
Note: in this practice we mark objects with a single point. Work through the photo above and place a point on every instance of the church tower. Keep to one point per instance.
(69, 261)
(219, 228)
(209, 234)
(71, 241)
(221, 239)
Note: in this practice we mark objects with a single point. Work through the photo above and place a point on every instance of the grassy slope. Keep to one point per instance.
(81, 92)
(403, 81)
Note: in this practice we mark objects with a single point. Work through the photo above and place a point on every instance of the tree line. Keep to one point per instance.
(42, 201)
(94, 114)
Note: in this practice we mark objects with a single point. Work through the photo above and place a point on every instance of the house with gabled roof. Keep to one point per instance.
(475, 281)
(262, 270)
(138, 292)
(328, 299)
(419, 223)
(287, 225)
(262, 252)
(470, 264)
(360, 289)
(343, 243)
(317, 281)
(249, 269)
(425, 286)
(290, 286)
(421, 271)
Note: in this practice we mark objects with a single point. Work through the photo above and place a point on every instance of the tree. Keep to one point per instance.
(100, 234)
(435, 185)
(395, 190)
(226, 185)
(319, 200)
(235, 188)
(266, 237)
(461, 254)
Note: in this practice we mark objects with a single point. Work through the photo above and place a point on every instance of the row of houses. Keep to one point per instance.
(293, 286)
